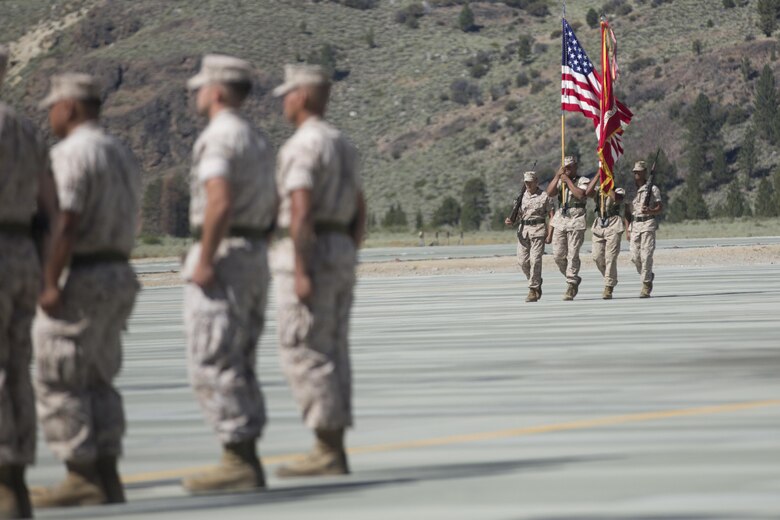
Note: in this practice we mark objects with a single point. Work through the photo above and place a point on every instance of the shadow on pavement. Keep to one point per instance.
(370, 479)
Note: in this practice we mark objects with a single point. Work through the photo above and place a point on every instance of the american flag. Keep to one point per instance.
(581, 91)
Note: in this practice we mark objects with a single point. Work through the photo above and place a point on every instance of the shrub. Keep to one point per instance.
(463, 92)
(521, 80)
(592, 18)
(538, 9)
(729, 4)
(641, 63)
(511, 105)
(538, 85)
(408, 15)
(481, 143)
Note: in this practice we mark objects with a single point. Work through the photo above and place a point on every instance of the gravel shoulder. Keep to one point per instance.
(700, 257)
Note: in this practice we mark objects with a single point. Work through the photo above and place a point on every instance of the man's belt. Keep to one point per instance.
(644, 218)
(15, 228)
(320, 228)
(575, 205)
(98, 257)
(249, 233)
(533, 221)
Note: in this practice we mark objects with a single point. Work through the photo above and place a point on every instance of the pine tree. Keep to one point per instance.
(766, 101)
(475, 206)
(703, 132)
(447, 214)
(695, 207)
(418, 220)
(150, 208)
(592, 18)
(466, 18)
(765, 200)
(720, 170)
(736, 205)
(776, 186)
(747, 153)
(767, 16)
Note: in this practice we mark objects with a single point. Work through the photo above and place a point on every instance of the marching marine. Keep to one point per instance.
(607, 230)
(77, 331)
(569, 222)
(232, 214)
(643, 225)
(532, 210)
(25, 182)
(321, 224)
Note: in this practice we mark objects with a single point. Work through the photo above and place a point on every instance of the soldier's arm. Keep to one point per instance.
(48, 208)
(216, 221)
(302, 234)
(590, 191)
(63, 238)
(552, 188)
(577, 192)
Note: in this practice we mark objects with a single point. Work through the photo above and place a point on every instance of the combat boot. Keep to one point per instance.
(607, 294)
(533, 295)
(9, 508)
(22, 494)
(571, 292)
(81, 487)
(109, 476)
(647, 288)
(239, 470)
(327, 458)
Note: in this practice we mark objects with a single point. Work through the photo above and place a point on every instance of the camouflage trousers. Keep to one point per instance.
(642, 250)
(566, 252)
(605, 253)
(529, 255)
(314, 336)
(223, 325)
(78, 354)
(19, 285)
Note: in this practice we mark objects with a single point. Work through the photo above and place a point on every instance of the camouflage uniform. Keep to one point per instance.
(643, 228)
(78, 353)
(569, 233)
(224, 323)
(313, 337)
(530, 245)
(24, 158)
(606, 242)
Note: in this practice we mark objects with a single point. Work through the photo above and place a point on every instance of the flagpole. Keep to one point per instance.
(563, 117)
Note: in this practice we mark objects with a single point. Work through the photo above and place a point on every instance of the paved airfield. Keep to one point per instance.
(471, 404)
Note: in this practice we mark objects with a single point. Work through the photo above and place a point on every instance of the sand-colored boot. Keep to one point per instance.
(109, 476)
(81, 487)
(571, 292)
(239, 470)
(532, 295)
(327, 458)
(647, 288)
(607, 294)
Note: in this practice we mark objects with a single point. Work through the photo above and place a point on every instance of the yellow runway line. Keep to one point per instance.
(450, 440)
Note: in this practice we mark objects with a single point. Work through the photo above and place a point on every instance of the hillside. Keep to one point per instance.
(394, 98)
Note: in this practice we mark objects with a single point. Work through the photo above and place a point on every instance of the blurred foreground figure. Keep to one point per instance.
(321, 221)
(231, 215)
(77, 331)
(25, 182)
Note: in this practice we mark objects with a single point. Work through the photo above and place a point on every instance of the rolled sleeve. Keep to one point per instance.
(214, 160)
(299, 172)
(71, 181)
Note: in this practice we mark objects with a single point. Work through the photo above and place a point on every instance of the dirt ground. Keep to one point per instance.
(710, 256)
